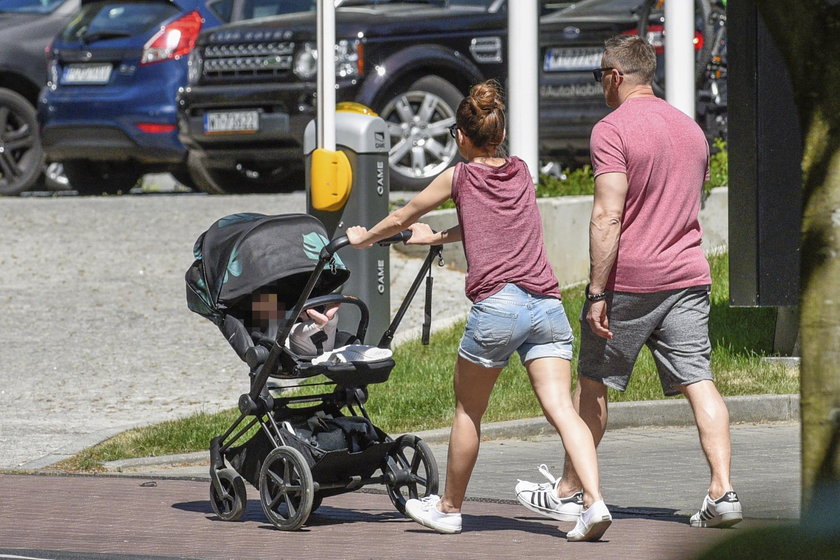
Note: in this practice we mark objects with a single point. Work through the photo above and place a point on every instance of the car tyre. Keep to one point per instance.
(21, 155)
(418, 119)
(93, 177)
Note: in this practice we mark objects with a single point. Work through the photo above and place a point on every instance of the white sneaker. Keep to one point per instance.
(541, 497)
(723, 512)
(426, 513)
(592, 523)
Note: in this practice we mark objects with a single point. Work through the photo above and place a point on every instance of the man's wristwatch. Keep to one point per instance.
(594, 297)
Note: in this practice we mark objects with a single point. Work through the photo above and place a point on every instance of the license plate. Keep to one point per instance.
(231, 121)
(571, 59)
(87, 74)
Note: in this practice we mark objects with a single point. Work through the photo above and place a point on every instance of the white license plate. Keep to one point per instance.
(231, 121)
(87, 74)
(571, 59)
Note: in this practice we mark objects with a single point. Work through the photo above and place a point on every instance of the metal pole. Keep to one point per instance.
(680, 90)
(326, 75)
(523, 82)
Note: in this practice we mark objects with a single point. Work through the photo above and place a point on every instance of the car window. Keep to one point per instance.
(117, 19)
(29, 6)
(263, 8)
(223, 9)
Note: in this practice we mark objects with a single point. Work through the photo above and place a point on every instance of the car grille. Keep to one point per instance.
(268, 60)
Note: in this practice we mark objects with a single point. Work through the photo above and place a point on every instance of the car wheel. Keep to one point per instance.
(21, 155)
(183, 176)
(93, 177)
(418, 120)
(241, 178)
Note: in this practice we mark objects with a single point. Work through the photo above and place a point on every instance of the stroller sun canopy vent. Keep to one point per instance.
(242, 254)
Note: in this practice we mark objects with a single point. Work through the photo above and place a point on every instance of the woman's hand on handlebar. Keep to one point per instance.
(422, 234)
(358, 237)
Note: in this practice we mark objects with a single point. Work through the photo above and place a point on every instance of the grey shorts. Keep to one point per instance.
(673, 324)
(514, 320)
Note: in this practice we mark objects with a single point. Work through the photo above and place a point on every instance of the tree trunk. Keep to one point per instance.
(806, 32)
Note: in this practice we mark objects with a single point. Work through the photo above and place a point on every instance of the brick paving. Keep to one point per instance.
(118, 516)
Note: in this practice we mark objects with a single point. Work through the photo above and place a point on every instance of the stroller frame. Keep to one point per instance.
(291, 474)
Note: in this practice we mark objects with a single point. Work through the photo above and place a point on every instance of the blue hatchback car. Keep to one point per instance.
(108, 111)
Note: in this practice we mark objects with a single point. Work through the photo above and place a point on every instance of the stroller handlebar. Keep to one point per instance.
(343, 241)
(401, 237)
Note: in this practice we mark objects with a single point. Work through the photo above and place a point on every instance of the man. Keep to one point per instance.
(649, 278)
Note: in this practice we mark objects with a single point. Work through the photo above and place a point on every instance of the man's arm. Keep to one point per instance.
(604, 234)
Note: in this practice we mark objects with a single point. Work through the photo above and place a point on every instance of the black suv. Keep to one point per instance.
(252, 85)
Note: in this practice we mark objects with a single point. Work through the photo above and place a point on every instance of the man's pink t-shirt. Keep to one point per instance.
(665, 157)
(501, 229)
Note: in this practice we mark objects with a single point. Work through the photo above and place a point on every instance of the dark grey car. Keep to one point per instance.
(26, 29)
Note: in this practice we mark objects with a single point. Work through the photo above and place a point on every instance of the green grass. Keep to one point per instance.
(418, 395)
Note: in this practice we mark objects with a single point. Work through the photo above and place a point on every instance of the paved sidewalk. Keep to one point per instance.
(652, 478)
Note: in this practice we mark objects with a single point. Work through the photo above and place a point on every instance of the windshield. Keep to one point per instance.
(29, 6)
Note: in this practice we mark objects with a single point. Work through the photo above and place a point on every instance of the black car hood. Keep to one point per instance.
(398, 18)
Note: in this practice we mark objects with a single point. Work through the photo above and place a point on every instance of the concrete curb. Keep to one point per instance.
(665, 413)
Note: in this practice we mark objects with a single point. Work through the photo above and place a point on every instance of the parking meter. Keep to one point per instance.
(363, 138)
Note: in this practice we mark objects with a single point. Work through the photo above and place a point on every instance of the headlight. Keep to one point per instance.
(52, 71)
(306, 62)
(194, 66)
(347, 60)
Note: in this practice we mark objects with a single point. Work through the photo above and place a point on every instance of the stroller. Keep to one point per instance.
(293, 440)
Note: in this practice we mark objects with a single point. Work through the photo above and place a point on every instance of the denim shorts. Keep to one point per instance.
(673, 324)
(514, 320)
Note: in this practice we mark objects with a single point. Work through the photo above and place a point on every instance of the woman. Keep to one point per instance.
(516, 307)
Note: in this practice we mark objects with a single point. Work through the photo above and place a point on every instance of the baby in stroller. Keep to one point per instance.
(312, 335)
(269, 283)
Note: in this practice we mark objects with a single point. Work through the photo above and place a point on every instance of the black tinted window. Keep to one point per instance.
(263, 8)
(118, 19)
(30, 6)
(223, 9)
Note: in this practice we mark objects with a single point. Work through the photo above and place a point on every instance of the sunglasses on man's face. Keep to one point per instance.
(599, 72)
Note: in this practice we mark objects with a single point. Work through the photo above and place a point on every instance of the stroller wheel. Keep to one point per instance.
(410, 471)
(228, 499)
(286, 488)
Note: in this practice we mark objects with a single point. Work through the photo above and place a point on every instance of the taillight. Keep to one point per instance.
(173, 40)
(656, 37)
(155, 128)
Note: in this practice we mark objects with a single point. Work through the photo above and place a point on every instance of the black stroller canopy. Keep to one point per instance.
(243, 254)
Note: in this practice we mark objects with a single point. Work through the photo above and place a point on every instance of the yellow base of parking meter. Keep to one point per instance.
(331, 180)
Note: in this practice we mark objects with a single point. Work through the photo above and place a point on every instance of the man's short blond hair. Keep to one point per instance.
(632, 55)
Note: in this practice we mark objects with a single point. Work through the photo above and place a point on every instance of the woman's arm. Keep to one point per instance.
(422, 234)
(438, 191)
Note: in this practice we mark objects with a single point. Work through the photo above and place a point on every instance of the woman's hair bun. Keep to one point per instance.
(486, 97)
(481, 116)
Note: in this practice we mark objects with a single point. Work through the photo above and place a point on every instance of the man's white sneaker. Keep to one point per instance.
(540, 497)
(426, 513)
(723, 512)
(592, 523)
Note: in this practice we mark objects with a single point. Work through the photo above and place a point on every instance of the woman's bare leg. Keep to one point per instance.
(551, 379)
(473, 384)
